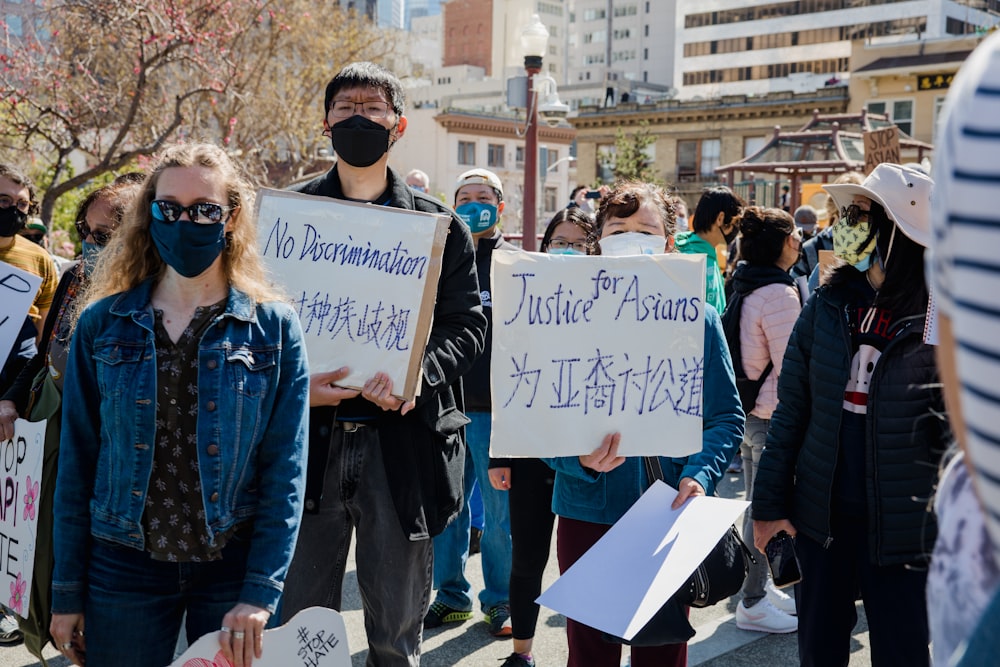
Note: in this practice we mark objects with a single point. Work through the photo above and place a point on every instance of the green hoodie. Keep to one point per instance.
(690, 243)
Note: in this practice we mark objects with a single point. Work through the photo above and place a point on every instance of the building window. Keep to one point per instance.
(466, 152)
(519, 157)
(551, 199)
(494, 155)
(938, 105)
(899, 112)
(697, 159)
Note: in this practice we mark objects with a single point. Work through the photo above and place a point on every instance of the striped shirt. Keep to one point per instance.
(32, 258)
(965, 265)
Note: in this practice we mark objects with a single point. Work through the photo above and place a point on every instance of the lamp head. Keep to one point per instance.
(534, 37)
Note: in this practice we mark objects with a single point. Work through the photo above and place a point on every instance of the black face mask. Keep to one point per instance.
(12, 220)
(359, 142)
(731, 235)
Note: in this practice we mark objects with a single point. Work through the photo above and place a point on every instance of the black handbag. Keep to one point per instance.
(720, 576)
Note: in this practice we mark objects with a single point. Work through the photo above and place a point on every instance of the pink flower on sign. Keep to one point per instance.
(17, 588)
(218, 661)
(30, 498)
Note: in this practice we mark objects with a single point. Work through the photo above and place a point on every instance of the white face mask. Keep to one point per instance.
(632, 243)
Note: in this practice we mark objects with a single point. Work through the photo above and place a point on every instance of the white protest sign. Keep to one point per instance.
(585, 346)
(652, 550)
(17, 291)
(363, 279)
(21, 489)
(314, 637)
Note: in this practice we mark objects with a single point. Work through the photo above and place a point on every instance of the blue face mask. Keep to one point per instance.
(188, 247)
(90, 253)
(564, 251)
(478, 216)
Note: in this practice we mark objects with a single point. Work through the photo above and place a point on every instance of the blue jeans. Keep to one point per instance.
(135, 605)
(451, 548)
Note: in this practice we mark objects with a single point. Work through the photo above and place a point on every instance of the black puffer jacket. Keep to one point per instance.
(905, 433)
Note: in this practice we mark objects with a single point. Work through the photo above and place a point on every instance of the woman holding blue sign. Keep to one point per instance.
(183, 448)
(592, 492)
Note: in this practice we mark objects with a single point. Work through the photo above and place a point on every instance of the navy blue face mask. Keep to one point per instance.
(187, 247)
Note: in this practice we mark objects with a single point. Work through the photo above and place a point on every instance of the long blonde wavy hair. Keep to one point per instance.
(131, 257)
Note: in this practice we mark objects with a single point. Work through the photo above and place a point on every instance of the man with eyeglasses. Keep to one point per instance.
(479, 203)
(390, 470)
(17, 202)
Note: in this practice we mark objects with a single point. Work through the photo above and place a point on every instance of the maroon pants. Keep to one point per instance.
(586, 647)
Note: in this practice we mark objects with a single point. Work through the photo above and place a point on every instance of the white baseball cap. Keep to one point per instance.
(479, 177)
(904, 191)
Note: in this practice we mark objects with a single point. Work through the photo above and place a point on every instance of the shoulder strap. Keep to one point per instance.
(653, 469)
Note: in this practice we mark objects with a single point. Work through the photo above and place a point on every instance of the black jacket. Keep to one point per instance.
(906, 433)
(477, 381)
(424, 451)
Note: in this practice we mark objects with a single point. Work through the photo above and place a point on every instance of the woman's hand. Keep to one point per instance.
(763, 531)
(378, 390)
(242, 634)
(500, 478)
(323, 389)
(686, 488)
(8, 415)
(605, 458)
(67, 634)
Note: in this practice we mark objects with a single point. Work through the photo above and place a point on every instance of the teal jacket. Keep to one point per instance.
(586, 495)
(690, 243)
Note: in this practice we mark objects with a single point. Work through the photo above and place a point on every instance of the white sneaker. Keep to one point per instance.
(765, 617)
(780, 598)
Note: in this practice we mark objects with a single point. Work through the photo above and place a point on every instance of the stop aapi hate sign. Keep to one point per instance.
(20, 490)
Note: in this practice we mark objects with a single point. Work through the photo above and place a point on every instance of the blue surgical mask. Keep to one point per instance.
(478, 216)
(89, 256)
(564, 251)
(188, 247)
(632, 243)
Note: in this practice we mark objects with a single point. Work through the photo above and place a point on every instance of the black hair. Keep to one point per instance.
(763, 232)
(626, 198)
(367, 75)
(714, 201)
(574, 215)
(12, 173)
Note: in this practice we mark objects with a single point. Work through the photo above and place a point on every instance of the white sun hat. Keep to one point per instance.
(904, 191)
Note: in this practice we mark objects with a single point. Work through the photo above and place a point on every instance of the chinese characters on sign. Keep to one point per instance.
(934, 81)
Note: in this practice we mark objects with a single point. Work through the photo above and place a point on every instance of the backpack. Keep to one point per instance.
(747, 388)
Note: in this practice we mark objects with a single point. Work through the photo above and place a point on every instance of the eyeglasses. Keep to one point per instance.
(101, 236)
(203, 213)
(853, 214)
(6, 201)
(561, 244)
(347, 108)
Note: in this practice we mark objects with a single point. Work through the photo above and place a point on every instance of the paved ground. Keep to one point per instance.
(718, 642)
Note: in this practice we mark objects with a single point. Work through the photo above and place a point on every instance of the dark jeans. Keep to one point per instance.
(586, 646)
(531, 521)
(831, 580)
(135, 604)
(394, 574)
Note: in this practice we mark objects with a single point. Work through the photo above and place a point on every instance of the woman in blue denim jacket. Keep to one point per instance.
(184, 428)
(592, 492)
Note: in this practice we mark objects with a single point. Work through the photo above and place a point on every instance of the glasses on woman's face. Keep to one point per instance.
(562, 244)
(853, 214)
(6, 201)
(203, 213)
(100, 236)
(375, 110)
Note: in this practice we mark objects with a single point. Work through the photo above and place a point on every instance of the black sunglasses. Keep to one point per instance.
(853, 214)
(203, 213)
(101, 237)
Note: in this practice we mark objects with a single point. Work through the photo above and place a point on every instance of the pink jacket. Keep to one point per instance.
(769, 313)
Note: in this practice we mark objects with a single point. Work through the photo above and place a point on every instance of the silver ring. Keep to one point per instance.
(239, 634)
(224, 628)
(67, 646)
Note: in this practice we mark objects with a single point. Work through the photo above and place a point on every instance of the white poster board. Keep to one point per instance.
(652, 550)
(17, 291)
(314, 637)
(586, 346)
(363, 279)
(20, 491)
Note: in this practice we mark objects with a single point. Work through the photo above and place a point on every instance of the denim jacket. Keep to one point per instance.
(604, 497)
(253, 388)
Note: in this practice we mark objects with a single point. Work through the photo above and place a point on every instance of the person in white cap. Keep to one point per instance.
(479, 203)
(855, 441)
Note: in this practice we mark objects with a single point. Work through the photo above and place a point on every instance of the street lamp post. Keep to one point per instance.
(534, 38)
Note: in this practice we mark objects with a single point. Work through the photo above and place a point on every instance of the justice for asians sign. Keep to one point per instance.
(586, 346)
